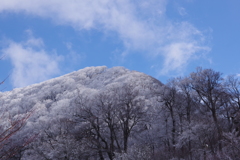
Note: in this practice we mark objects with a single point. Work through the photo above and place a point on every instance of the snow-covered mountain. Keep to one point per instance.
(118, 114)
(61, 98)
(90, 79)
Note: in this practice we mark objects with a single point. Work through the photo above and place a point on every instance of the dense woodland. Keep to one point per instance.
(118, 114)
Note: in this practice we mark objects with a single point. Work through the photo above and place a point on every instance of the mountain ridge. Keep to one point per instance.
(88, 73)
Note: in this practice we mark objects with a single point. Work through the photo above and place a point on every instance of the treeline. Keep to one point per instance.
(193, 117)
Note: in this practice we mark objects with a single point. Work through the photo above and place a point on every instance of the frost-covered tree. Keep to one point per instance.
(112, 117)
(11, 141)
(187, 106)
(100, 113)
(209, 87)
(168, 96)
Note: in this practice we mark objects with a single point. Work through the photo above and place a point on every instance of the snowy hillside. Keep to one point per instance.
(117, 114)
(60, 90)
(59, 98)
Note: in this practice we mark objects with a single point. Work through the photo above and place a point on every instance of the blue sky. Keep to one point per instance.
(40, 40)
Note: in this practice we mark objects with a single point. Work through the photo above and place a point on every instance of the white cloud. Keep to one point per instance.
(178, 55)
(186, 43)
(182, 11)
(31, 63)
(141, 25)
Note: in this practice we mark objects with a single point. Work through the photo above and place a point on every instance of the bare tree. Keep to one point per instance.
(188, 105)
(209, 87)
(171, 105)
(131, 111)
(110, 118)
(8, 148)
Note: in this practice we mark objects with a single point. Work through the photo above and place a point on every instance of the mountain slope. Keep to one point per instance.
(60, 98)
(117, 114)
(92, 78)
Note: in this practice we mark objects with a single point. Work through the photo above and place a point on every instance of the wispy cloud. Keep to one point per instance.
(73, 58)
(31, 63)
(178, 55)
(141, 25)
(186, 43)
(182, 11)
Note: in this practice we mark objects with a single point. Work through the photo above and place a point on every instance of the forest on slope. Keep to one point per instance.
(118, 114)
